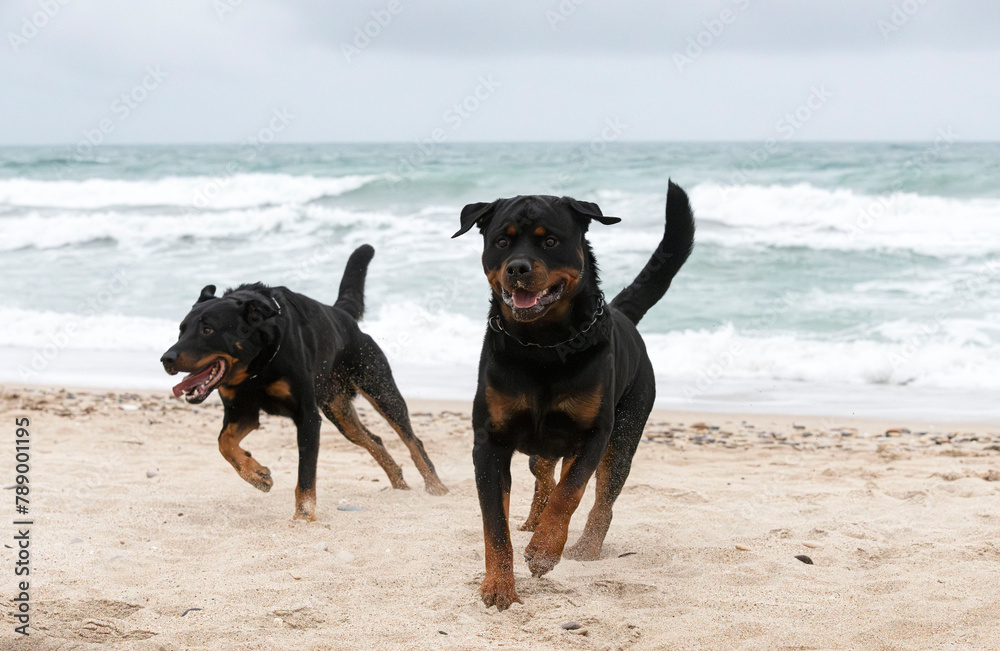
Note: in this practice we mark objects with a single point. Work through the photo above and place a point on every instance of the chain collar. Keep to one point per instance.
(497, 326)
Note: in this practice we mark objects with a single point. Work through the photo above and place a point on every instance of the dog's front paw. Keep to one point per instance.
(542, 555)
(260, 478)
(541, 562)
(498, 590)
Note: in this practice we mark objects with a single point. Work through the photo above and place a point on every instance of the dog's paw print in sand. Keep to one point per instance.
(96, 620)
(302, 618)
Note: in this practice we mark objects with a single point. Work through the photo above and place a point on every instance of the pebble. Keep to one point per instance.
(349, 507)
(805, 559)
(190, 610)
(742, 548)
(130, 407)
(322, 546)
(572, 625)
(151, 473)
(811, 545)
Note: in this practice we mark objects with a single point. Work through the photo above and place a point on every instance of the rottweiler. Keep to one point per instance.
(268, 348)
(562, 375)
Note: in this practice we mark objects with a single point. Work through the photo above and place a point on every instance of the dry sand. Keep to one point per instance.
(139, 519)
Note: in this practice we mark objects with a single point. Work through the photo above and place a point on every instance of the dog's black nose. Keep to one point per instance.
(518, 267)
(169, 357)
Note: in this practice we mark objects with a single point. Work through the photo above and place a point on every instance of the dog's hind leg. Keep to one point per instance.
(376, 384)
(341, 412)
(544, 471)
(630, 419)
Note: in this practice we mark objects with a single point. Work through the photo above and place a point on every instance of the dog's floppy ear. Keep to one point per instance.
(207, 293)
(476, 214)
(586, 210)
(256, 309)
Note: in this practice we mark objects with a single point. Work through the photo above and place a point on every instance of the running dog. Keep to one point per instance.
(562, 375)
(268, 348)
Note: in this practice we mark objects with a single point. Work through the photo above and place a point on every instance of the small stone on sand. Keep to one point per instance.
(572, 626)
(805, 559)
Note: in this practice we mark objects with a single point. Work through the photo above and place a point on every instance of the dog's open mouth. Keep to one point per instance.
(196, 386)
(524, 300)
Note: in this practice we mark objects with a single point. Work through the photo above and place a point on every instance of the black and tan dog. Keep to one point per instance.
(562, 375)
(268, 348)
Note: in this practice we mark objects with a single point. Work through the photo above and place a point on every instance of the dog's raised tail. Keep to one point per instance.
(351, 298)
(675, 247)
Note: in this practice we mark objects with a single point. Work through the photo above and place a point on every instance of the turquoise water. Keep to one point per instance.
(833, 265)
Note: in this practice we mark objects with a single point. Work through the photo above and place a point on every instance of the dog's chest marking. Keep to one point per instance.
(281, 390)
(581, 407)
(503, 406)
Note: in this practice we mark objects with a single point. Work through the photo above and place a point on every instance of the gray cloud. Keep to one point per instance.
(671, 70)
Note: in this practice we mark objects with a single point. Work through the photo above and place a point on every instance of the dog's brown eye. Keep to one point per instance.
(550, 242)
(502, 243)
(207, 331)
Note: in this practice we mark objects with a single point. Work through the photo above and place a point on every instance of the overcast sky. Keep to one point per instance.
(217, 71)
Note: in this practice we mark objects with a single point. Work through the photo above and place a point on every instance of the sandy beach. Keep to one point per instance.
(146, 539)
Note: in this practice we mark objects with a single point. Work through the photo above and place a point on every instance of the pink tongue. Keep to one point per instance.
(191, 381)
(524, 299)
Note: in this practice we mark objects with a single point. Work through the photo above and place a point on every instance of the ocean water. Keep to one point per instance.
(826, 278)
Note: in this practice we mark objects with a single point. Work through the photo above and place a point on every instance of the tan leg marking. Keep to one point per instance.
(347, 419)
(432, 483)
(549, 539)
(545, 482)
(497, 588)
(305, 505)
(588, 547)
(229, 445)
